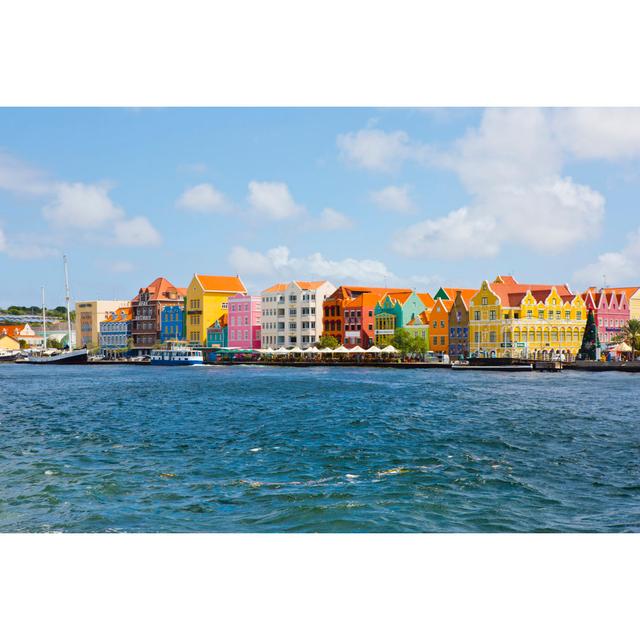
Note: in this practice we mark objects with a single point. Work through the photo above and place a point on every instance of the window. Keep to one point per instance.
(567, 315)
(246, 334)
(441, 339)
(492, 315)
(476, 315)
(233, 335)
(485, 301)
(492, 336)
(529, 314)
(550, 314)
(442, 324)
(540, 314)
(578, 315)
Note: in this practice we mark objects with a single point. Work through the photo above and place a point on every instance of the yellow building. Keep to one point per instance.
(89, 315)
(9, 343)
(206, 302)
(512, 320)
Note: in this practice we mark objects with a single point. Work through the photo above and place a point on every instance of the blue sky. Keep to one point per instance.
(419, 197)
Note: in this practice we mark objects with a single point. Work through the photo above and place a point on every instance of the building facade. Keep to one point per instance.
(610, 311)
(89, 315)
(207, 301)
(217, 333)
(147, 306)
(115, 331)
(633, 300)
(244, 314)
(292, 313)
(509, 319)
(459, 323)
(394, 311)
(439, 329)
(349, 314)
(172, 323)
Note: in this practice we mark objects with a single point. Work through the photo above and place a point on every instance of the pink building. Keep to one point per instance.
(610, 310)
(244, 313)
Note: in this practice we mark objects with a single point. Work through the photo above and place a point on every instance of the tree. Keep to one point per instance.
(420, 345)
(52, 343)
(630, 333)
(403, 341)
(590, 340)
(327, 341)
(23, 344)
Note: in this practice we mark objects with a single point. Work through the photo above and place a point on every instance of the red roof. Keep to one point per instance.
(12, 330)
(161, 290)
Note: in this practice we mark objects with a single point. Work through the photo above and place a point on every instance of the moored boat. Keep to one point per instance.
(177, 355)
(457, 366)
(75, 356)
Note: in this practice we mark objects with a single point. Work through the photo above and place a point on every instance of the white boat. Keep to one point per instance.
(459, 366)
(75, 356)
(177, 355)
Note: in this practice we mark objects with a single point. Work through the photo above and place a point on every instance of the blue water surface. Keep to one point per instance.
(265, 449)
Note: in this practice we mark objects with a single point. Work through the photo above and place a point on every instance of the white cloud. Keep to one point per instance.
(619, 268)
(3, 240)
(19, 178)
(393, 198)
(82, 206)
(278, 263)
(136, 232)
(273, 200)
(512, 166)
(378, 150)
(456, 235)
(23, 247)
(72, 207)
(203, 198)
(607, 133)
(332, 220)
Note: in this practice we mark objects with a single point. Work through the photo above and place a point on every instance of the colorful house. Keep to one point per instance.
(395, 311)
(419, 326)
(633, 299)
(207, 301)
(217, 333)
(244, 315)
(115, 331)
(459, 323)
(172, 323)
(610, 311)
(509, 319)
(147, 307)
(439, 329)
(8, 343)
(449, 293)
(349, 313)
(22, 332)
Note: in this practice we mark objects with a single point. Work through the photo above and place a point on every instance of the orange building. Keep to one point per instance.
(439, 325)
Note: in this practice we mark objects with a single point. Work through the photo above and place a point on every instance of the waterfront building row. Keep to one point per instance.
(503, 318)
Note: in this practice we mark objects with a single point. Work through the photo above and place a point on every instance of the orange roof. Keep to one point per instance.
(467, 294)
(224, 284)
(447, 304)
(629, 291)
(506, 280)
(511, 295)
(276, 288)
(162, 289)
(310, 284)
(11, 329)
(427, 299)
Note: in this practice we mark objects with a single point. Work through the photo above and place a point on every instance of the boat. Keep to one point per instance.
(177, 355)
(73, 356)
(459, 366)
(8, 356)
(69, 355)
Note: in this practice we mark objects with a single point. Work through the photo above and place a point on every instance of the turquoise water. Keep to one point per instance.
(259, 449)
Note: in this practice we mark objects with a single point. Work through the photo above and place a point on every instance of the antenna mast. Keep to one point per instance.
(67, 298)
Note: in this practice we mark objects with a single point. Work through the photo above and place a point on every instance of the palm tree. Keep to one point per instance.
(630, 333)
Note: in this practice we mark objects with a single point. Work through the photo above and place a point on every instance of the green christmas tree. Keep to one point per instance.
(590, 341)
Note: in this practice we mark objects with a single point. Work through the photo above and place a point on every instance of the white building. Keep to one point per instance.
(292, 313)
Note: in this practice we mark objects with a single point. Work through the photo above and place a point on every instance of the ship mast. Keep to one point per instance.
(44, 322)
(67, 298)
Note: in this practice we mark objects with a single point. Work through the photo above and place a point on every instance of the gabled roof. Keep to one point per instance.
(160, 290)
(467, 294)
(11, 330)
(442, 305)
(222, 284)
(427, 299)
(220, 323)
(629, 291)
